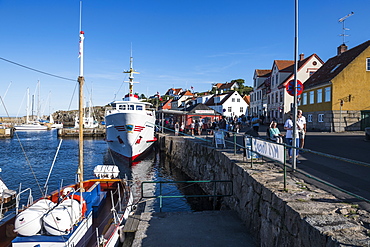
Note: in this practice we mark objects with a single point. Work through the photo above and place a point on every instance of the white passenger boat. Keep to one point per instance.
(130, 124)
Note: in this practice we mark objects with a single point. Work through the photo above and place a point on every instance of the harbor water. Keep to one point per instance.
(31, 158)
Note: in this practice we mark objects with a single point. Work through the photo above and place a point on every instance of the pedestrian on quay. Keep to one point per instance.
(192, 127)
(177, 128)
(255, 123)
(182, 127)
(200, 127)
(288, 126)
(302, 127)
(223, 125)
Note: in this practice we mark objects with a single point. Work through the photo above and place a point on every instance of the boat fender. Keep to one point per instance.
(81, 201)
(121, 234)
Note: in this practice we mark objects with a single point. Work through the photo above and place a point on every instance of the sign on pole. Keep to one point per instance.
(290, 88)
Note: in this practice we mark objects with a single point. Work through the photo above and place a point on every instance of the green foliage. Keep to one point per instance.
(242, 90)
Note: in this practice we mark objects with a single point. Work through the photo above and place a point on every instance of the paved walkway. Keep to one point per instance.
(192, 229)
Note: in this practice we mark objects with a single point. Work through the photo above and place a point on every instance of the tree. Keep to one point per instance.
(242, 90)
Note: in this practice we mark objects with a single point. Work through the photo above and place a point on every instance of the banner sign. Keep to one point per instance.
(270, 150)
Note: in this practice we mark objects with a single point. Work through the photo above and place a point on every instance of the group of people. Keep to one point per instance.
(300, 134)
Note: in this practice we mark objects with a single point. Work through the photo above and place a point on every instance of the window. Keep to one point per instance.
(237, 100)
(277, 97)
(304, 99)
(229, 109)
(139, 107)
(312, 97)
(368, 64)
(131, 107)
(281, 96)
(319, 95)
(122, 107)
(241, 109)
(321, 118)
(233, 100)
(327, 94)
(309, 118)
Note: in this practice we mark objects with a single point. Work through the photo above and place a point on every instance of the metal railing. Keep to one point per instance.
(248, 152)
(161, 196)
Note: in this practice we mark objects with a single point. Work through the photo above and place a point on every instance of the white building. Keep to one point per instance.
(229, 104)
(258, 104)
(270, 98)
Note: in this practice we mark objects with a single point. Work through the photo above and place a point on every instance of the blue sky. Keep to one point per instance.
(175, 44)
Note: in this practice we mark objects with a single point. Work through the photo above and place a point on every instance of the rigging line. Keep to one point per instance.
(24, 152)
(36, 70)
(73, 94)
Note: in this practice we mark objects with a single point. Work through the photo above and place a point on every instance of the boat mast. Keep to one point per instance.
(81, 80)
(131, 76)
(28, 106)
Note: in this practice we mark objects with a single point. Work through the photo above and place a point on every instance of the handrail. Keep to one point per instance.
(17, 199)
(249, 149)
(161, 196)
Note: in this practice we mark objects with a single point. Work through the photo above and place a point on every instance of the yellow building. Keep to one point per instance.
(336, 97)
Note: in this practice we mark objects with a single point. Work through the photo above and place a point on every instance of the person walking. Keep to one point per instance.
(302, 127)
(255, 123)
(177, 128)
(288, 126)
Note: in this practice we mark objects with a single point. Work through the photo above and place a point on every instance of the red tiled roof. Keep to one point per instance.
(247, 99)
(284, 65)
(301, 63)
(263, 72)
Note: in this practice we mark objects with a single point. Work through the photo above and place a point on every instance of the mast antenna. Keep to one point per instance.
(344, 29)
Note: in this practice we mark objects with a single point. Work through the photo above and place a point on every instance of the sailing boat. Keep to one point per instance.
(89, 120)
(130, 124)
(54, 125)
(88, 213)
(30, 125)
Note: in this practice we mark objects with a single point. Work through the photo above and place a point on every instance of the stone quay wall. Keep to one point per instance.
(302, 215)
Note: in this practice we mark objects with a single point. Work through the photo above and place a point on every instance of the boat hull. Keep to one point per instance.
(30, 127)
(99, 219)
(130, 134)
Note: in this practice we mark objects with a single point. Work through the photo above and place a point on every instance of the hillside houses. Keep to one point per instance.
(227, 102)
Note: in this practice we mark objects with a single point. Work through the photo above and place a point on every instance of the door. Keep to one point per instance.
(365, 119)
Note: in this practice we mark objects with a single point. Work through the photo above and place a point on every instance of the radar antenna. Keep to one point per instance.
(344, 28)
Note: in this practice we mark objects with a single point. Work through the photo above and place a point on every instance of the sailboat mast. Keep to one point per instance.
(80, 109)
(28, 106)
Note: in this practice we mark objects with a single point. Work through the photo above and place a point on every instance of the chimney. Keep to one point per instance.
(301, 57)
(342, 48)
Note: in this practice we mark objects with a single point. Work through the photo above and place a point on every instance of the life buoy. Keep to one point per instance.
(81, 201)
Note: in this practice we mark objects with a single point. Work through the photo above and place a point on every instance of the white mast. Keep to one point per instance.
(27, 107)
(80, 107)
